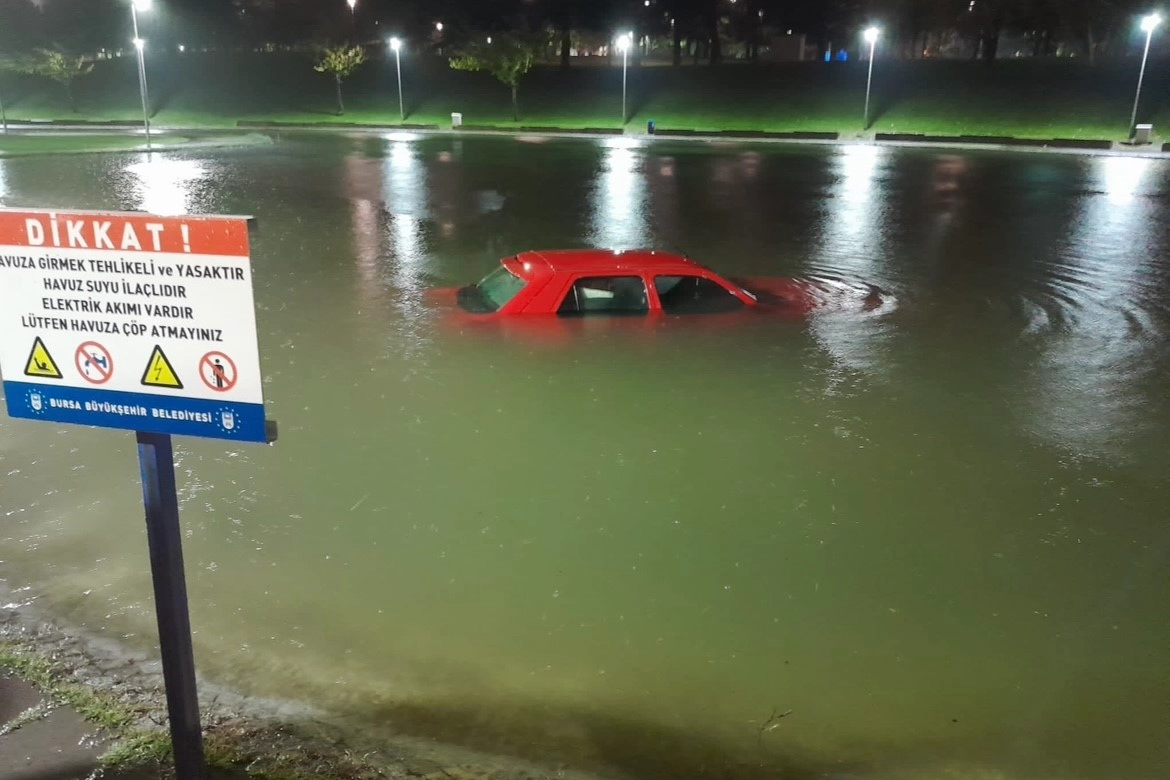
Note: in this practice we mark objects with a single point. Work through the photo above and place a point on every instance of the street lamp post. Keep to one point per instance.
(623, 44)
(139, 44)
(1149, 24)
(352, 16)
(396, 45)
(871, 36)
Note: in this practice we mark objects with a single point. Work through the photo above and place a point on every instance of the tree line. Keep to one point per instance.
(704, 30)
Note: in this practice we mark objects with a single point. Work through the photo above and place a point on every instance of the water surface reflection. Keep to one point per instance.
(934, 532)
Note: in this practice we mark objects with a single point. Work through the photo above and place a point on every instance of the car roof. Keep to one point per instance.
(610, 260)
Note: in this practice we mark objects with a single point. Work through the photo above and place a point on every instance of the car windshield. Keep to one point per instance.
(743, 286)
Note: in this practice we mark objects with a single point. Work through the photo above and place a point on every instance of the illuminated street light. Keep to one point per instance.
(140, 45)
(439, 26)
(396, 45)
(871, 37)
(1149, 24)
(623, 43)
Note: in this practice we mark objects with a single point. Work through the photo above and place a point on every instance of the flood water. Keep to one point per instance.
(934, 534)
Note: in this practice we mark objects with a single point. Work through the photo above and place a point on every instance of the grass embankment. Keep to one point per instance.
(21, 142)
(13, 145)
(1018, 98)
(232, 749)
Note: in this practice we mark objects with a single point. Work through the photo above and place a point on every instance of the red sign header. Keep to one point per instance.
(123, 232)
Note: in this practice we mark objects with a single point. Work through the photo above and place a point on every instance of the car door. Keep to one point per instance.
(687, 294)
(606, 295)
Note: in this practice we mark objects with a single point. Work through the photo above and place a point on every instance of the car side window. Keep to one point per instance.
(694, 295)
(606, 295)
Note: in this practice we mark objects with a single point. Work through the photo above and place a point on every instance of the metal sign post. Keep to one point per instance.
(164, 538)
(142, 323)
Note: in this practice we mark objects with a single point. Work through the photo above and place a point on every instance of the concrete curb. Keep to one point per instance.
(1031, 143)
(897, 140)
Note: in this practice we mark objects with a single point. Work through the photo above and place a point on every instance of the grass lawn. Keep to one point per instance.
(1020, 98)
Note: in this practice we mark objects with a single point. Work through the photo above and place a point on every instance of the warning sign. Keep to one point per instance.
(94, 363)
(159, 371)
(40, 363)
(163, 295)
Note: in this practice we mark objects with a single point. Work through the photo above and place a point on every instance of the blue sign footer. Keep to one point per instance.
(136, 411)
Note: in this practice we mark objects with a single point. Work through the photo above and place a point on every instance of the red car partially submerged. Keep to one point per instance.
(636, 282)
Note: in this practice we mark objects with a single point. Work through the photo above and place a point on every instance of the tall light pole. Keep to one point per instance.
(353, 17)
(139, 44)
(623, 44)
(1149, 24)
(871, 36)
(396, 45)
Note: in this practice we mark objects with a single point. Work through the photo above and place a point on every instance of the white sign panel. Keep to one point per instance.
(130, 321)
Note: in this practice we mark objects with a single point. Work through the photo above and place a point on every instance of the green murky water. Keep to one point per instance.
(936, 533)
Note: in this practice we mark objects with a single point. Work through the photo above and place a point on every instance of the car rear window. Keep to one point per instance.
(492, 292)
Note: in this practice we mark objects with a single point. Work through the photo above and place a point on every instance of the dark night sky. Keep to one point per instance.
(92, 24)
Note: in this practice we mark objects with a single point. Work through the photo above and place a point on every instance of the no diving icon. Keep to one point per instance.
(218, 371)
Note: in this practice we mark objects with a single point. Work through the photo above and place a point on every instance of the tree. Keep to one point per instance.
(580, 18)
(1093, 22)
(59, 67)
(290, 22)
(341, 62)
(85, 26)
(20, 25)
(562, 15)
(507, 57)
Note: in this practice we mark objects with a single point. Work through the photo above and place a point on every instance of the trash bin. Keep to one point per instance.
(456, 120)
(650, 127)
(1142, 133)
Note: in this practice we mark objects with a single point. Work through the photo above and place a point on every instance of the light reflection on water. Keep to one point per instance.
(933, 532)
(166, 186)
(619, 212)
(850, 245)
(1086, 391)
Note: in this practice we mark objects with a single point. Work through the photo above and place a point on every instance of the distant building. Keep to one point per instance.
(789, 48)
